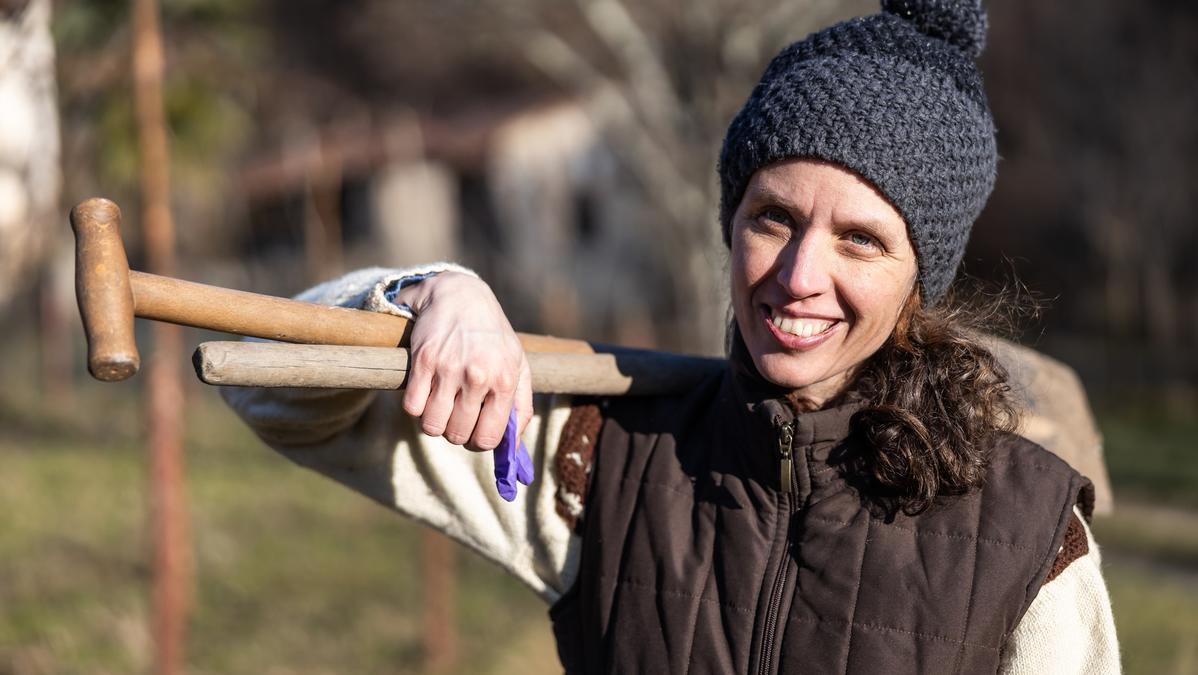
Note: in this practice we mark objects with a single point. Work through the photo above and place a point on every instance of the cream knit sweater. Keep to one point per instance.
(365, 441)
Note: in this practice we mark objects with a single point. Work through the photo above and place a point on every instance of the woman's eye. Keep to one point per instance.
(863, 239)
(775, 215)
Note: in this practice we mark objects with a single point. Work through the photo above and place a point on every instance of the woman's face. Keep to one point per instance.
(821, 268)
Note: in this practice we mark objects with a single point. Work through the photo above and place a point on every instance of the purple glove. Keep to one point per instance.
(512, 462)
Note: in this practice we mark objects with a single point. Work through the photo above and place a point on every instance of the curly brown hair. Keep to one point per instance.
(935, 398)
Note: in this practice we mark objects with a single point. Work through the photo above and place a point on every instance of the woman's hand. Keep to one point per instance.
(467, 366)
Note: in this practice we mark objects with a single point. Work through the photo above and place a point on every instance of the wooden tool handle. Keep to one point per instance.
(620, 372)
(241, 313)
(102, 290)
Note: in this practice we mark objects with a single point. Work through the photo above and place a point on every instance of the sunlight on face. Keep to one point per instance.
(821, 268)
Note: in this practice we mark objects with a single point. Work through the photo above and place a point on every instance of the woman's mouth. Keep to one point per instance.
(798, 332)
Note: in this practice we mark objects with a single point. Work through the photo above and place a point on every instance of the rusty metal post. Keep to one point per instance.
(164, 391)
(439, 620)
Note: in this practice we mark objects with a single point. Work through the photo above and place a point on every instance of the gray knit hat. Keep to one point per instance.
(895, 97)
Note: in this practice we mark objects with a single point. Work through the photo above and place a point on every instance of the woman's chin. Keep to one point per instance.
(781, 370)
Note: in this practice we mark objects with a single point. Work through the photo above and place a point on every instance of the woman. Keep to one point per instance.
(848, 496)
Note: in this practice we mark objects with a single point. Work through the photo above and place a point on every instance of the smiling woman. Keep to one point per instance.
(827, 305)
(821, 267)
(847, 496)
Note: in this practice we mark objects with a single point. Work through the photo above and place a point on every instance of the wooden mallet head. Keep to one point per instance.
(103, 290)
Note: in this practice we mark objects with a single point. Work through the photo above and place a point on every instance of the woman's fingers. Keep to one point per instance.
(440, 405)
(467, 405)
(523, 397)
(467, 408)
(419, 384)
(492, 421)
(525, 472)
(465, 416)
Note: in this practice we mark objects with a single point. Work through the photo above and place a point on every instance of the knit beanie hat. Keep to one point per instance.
(896, 98)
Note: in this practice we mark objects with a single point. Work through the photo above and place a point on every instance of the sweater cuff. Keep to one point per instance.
(366, 288)
(382, 296)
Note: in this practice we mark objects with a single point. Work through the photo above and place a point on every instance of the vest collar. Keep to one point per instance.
(761, 410)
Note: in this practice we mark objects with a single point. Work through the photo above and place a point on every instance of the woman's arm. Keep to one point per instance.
(467, 368)
(368, 441)
(1069, 628)
(299, 416)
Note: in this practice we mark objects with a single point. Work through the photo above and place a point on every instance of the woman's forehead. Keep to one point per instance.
(808, 185)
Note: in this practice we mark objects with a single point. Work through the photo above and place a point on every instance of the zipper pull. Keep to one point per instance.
(785, 440)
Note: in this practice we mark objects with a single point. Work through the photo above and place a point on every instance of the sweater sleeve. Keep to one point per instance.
(1069, 628)
(364, 440)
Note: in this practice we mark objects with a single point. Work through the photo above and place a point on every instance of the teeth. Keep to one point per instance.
(800, 327)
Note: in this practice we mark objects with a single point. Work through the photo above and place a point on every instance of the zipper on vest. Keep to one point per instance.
(785, 450)
(786, 436)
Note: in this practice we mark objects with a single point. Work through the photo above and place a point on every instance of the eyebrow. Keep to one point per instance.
(760, 194)
(765, 194)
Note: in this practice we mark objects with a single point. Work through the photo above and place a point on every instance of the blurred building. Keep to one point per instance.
(526, 193)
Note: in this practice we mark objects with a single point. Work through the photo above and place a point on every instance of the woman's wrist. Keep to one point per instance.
(386, 284)
(415, 293)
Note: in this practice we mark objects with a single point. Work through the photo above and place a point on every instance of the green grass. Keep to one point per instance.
(293, 574)
(1156, 616)
(1151, 540)
(1153, 456)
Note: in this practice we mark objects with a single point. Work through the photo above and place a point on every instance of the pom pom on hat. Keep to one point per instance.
(961, 23)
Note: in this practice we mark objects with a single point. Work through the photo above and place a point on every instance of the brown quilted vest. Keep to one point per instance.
(695, 561)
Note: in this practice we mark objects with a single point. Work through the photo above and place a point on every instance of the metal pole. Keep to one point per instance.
(164, 392)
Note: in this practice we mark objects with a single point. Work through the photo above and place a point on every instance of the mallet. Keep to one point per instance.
(110, 295)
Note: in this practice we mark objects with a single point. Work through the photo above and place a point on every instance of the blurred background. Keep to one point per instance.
(565, 151)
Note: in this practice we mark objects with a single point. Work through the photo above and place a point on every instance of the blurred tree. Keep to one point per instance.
(29, 145)
(209, 95)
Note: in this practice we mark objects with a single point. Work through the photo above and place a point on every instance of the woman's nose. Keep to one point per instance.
(805, 267)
